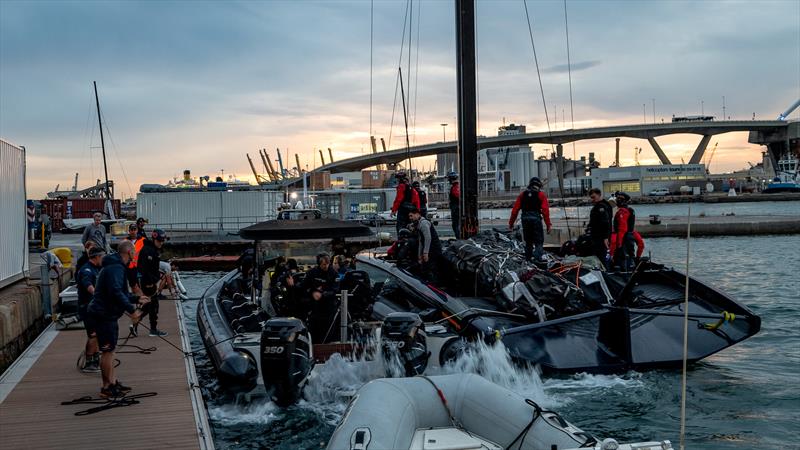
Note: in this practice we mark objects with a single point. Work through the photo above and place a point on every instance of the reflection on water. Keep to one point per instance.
(744, 397)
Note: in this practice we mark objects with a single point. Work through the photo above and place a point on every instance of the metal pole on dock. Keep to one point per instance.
(467, 103)
(47, 308)
(343, 316)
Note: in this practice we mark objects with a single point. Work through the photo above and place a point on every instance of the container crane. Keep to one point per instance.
(710, 157)
(260, 180)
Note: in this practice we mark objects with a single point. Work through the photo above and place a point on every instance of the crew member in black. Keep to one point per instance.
(423, 198)
(535, 207)
(147, 264)
(599, 228)
(454, 198)
(429, 248)
(86, 279)
(319, 289)
(140, 232)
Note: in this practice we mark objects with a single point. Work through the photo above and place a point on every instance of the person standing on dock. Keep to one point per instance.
(86, 279)
(423, 198)
(535, 207)
(110, 301)
(454, 198)
(138, 243)
(96, 232)
(622, 240)
(140, 223)
(405, 200)
(599, 228)
(149, 268)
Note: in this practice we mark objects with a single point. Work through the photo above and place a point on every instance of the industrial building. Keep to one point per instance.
(640, 180)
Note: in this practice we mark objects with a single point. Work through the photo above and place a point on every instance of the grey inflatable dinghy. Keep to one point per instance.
(457, 412)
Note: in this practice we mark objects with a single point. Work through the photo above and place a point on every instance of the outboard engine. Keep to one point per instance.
(403, 339)
(286, 358)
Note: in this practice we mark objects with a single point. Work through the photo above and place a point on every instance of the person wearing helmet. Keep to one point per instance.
(534, 206)
(423, 198)
(149, 267)
(455, 203)
(405, 200)
(622, 239)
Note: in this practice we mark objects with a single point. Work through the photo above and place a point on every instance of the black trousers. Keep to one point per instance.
(455, 219)
(533, 234)
(151, 309)
(600, 251)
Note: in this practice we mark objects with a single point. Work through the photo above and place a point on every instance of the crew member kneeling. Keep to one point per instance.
(110, 301)
(534, 206)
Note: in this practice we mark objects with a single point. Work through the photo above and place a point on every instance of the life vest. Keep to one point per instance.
(423, 200)
(137, 247)
(631, 219)
(531, 203)
(408, 197)
(455, 201)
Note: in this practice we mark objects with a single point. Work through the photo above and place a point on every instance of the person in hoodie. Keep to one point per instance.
(109, 302)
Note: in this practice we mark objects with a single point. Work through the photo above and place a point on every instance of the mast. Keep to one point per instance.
(467, 104)
(102, 141)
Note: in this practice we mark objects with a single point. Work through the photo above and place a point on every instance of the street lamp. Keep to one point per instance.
(444, 136)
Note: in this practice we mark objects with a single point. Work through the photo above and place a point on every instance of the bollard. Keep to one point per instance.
(343, 316)
(47, 308)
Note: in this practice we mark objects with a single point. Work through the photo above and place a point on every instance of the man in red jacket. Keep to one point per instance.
(534, 206)
(622, 251)
(405, 200)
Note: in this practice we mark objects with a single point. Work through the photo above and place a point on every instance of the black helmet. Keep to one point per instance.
(622, 197)
(452, 176)
(535, 182)
(404, 233)
(415, 184)
(400, 175)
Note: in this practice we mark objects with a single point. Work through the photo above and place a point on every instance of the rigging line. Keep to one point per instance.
(571, 109)
(477, 75)
(544, 105)
(396, 81)
(371, 22)
(405, 116)
(116, 153)
(685, 330)
(416, 73)
(86, 133)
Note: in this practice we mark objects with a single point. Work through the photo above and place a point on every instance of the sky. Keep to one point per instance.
(199, 84)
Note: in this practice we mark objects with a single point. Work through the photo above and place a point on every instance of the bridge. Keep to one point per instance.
(761, 132)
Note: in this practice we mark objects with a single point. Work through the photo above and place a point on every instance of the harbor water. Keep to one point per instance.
(745, 397)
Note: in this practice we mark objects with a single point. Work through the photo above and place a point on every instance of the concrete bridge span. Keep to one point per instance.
(761, 132)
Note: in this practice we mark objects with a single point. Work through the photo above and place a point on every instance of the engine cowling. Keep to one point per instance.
(286, 358)
(403, 341)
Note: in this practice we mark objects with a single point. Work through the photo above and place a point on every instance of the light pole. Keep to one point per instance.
(444, 135)
(654, 110)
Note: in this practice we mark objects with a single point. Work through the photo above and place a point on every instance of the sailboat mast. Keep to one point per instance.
(102, 141)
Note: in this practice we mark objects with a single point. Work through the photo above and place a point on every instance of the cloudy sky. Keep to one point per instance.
(198, 85)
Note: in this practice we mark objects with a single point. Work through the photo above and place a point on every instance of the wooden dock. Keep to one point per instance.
(31, 392)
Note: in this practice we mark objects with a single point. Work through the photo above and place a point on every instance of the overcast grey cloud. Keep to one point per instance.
(198, 84)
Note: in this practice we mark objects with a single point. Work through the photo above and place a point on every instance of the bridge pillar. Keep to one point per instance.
(701, 148)
(660, 153)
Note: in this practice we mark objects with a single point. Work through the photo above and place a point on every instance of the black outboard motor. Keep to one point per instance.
(403, 339)
(286, 358)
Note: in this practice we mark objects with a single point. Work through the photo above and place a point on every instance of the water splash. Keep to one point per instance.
(261, 411)
(494, 363)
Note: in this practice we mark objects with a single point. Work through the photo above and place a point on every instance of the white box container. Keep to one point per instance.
(13, 220)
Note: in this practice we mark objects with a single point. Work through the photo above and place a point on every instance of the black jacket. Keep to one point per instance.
(111, 298)
(599, 227)
(317, 279)
(147, 264)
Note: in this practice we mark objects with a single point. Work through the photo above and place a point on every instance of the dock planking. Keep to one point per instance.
(31, 416)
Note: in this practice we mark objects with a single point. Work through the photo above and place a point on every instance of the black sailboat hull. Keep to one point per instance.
(616, 339)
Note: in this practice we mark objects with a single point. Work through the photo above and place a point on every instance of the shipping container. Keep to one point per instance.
(319, 180)
(376, 179)
(14, 217)
(74, 208)
(207, 210)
